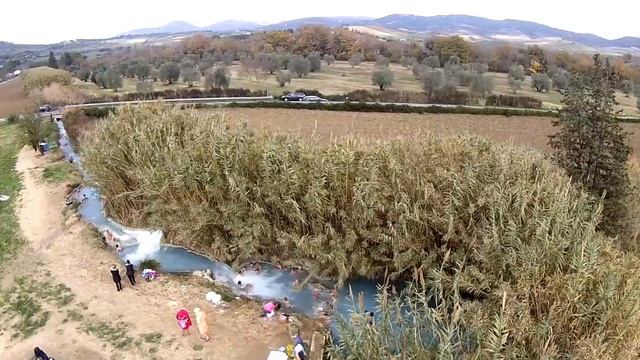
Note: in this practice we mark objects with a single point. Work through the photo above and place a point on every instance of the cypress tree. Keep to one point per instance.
(591, 145)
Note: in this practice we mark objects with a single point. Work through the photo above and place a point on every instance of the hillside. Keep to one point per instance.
(421, 26)
(185, 27)
(488, 28)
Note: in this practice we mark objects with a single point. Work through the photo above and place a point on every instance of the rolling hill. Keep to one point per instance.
(415, 25)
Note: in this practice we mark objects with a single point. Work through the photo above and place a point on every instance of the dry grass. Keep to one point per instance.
(530, 131)
(12, 98)
(57, 94)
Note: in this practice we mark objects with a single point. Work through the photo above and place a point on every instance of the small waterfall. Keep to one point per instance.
(148, 243)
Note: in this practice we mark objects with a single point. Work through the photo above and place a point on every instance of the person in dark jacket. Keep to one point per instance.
(40, 355)
(131, 273)
(115, 274)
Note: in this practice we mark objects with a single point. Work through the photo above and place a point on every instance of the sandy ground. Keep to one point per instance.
(61, 250)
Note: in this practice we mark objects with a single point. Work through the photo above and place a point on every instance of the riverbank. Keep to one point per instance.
(74, 311)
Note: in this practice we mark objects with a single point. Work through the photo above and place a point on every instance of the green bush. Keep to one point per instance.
(149, 263)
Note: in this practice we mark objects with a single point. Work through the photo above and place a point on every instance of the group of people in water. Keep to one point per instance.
(111, 241)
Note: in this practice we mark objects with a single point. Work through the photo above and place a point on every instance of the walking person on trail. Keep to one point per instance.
(115, 274)
(201, 321)
(131, 273)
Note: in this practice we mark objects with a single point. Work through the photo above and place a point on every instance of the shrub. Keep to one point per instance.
(329, 59)
(182, 93)
(514, 101)
(13, 118)
(356, 59)
(39, 78)
(94, 112)
(309, 92)
(149, 263)
(315, 62)
(283, 78)
(541, 82)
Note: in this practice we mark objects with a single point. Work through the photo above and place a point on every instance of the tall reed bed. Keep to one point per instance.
(502, 247)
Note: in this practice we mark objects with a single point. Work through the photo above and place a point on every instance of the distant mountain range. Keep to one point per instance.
(414, 25)
(185, 27)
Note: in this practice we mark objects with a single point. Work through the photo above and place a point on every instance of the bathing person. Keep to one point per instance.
(39, 354)
(130, 273)
(278, 265)
(184, 321)
(203, 327)
(370, 319)
(286, 302)
(115, 274)
(270, 309)
(239, 279)
(118, 247)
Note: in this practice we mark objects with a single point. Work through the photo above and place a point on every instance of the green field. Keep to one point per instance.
(10, 144)
(340, 78)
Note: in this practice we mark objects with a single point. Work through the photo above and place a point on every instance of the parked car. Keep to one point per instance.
(314, 99)
(293, 97)
(45, 108)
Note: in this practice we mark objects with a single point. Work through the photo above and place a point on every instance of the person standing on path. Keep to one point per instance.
(115, 274)
(131, 273)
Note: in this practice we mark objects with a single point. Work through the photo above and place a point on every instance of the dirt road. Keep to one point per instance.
(62, 276)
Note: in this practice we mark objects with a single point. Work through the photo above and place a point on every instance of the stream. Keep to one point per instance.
(266, 284)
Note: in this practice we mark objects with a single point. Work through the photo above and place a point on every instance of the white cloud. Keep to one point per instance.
(40, 21)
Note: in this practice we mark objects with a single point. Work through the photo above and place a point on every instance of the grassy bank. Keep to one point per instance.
(10, 144)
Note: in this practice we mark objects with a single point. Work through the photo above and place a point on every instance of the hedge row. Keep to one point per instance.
(390, 108)
(450, 97)
(185, 93)
(98, 112)
(526, 102)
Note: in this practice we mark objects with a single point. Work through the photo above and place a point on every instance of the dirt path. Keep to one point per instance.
(98, 322)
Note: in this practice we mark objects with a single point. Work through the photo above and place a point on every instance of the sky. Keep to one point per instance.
(41, 21)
